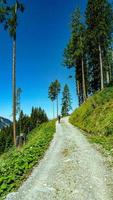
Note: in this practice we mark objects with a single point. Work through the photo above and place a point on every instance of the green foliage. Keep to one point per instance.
(66, 101)
(105, 141)
(68, 55)
(6, 139)
(4, 11)
(24, 125)
(75, 53)
(11, 21)
(95, 115)
(38, 116)
(99, 20)
(9, 15)
(16, 164)
(90, 44)
(57, 87)
(53, 92)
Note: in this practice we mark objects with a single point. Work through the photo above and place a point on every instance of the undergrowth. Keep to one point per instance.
(16, 165)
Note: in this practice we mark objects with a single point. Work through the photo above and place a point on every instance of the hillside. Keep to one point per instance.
(95, 116)
(67, 171)
(16, 164)
(4, 122)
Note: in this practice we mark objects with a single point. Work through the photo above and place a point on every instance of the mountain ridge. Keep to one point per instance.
(4, 122)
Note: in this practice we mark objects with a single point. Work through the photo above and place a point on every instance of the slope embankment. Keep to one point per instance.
(95, 117)
(17, 164)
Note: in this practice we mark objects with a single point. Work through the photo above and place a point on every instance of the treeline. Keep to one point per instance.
(53, 94)
(24, 125)
(90, 48)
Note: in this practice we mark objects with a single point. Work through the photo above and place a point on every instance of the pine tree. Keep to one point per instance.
(99, 19)
(57, 88)
(54, 90)
(75, 55)
(3, 11)
(38, 116)
(52, 95)
(66, 101)
(11, 26)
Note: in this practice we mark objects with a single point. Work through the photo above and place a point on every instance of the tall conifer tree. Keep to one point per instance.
(75, 55)
(66, 101)
(99, 20)
(11, 25)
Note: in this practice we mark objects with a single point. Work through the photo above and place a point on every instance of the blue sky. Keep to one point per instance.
(42, 34)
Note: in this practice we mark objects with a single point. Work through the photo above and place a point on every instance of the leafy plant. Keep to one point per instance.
(16, 164)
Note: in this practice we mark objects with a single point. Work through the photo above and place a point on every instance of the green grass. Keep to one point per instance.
(105, 141)
(95, 117)
(17, 164)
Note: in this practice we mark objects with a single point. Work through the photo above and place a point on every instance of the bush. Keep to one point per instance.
(16, 164)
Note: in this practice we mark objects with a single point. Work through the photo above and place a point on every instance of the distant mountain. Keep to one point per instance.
(4, 122)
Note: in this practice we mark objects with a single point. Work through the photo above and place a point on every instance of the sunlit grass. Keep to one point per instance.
(95, 117)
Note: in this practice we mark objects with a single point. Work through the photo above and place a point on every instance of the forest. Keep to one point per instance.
(90, 48)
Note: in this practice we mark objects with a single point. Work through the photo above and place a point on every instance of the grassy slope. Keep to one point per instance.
(16, 165)
(95, 117)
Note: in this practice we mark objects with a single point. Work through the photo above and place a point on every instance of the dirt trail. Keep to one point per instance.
(71, 170)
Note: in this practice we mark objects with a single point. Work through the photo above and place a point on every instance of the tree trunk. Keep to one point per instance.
(53, 111)
(78, 89)
(57, 107)
(101, 67)
(20, 126)
(110, 73)
(14, 78)
(14, 90)
(83, 81)
(78, 92)
(107, 77)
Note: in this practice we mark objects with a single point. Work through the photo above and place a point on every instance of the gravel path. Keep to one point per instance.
(71, 170)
